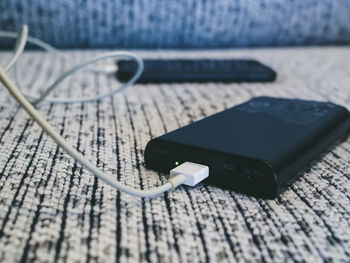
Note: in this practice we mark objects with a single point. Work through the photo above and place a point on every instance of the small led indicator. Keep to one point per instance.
(176, 163)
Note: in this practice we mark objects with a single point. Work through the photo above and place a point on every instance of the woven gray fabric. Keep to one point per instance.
(52, 209)
(179, 24)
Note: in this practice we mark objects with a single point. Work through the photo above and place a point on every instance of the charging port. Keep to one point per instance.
(229, 167)
(255, 177)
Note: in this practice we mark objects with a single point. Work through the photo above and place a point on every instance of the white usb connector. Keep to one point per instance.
(194, 173)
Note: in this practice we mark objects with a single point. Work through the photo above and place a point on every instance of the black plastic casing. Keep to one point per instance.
(196, 70)
(258, 147)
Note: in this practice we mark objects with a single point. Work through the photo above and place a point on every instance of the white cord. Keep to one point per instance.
(49, 48)
(172, 183)
(36, 100)
(83, 65)
(19, 48)
(32, 40)
(187, 173)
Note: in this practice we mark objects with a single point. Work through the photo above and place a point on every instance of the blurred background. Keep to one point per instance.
(179, 24)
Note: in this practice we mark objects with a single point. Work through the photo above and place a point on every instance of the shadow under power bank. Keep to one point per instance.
(258, 147)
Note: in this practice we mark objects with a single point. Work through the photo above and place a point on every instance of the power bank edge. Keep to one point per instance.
(282, 177)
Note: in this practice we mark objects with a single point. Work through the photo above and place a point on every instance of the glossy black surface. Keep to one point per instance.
(257, 147)
(202, 70)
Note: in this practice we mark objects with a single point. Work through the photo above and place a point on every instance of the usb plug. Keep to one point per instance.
(193, 173)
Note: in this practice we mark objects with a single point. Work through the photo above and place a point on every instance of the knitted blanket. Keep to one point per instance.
(53, 210)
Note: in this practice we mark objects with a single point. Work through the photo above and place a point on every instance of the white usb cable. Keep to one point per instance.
(186, 173)
(22, 38)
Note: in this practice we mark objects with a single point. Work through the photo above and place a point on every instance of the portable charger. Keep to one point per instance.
(258, 147)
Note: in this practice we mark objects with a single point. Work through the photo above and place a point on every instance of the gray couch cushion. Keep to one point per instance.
(180, 24)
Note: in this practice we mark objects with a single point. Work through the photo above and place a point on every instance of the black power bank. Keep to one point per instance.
(258, 147)
(196, 70)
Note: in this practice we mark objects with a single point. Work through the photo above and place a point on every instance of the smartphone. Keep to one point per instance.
(258, 147)
(196, 70)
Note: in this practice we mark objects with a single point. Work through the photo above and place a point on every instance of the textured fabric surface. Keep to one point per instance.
(176, 24)
(52, 209)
